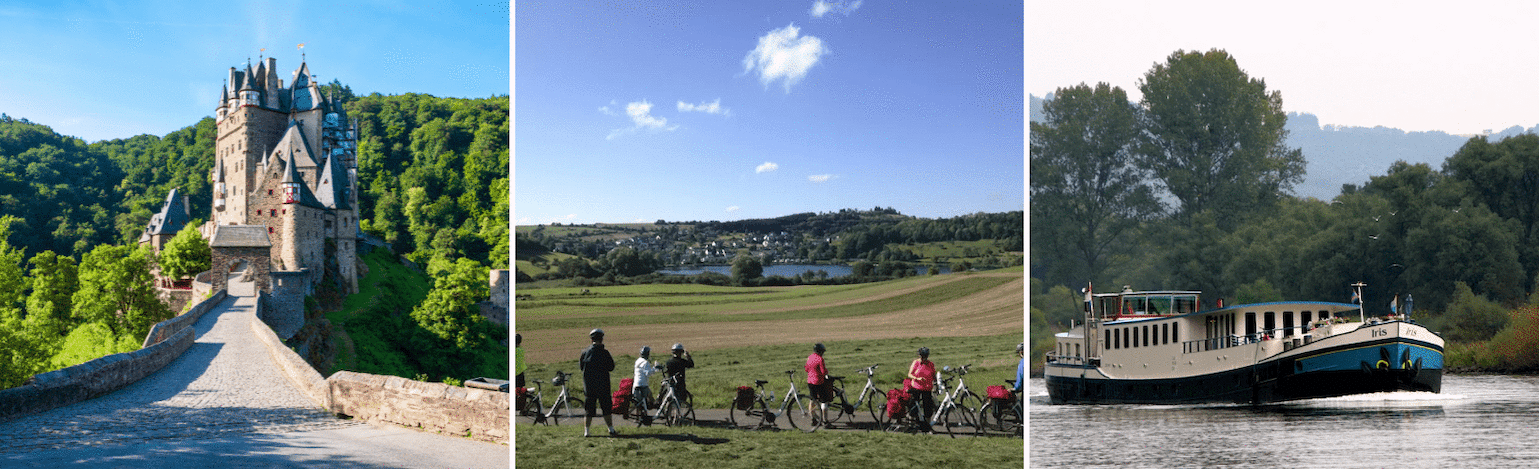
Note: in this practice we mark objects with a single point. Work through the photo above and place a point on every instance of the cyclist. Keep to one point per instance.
(596, 363)
(817, 381)
(1020, 370)
(644, 369)
(675, 369)
(518, 360)
(921, 375)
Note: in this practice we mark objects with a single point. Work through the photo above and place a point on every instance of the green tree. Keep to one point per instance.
(1216, 136)
(117, 290)
(186, 254)
(1504, 176)
(54, 281)
(1088, 195)
(450, 313)
(746, 268)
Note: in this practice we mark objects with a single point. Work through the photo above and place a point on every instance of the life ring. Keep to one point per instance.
(1406, 365)
(1382, 365)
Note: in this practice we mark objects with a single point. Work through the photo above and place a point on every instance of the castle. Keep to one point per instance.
(285, 192)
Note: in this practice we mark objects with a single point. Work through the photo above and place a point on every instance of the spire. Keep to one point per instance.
(290, 183)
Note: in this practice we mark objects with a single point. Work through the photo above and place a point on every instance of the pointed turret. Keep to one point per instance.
(291, 183)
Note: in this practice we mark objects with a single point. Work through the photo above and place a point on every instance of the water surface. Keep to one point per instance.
(1477, 421)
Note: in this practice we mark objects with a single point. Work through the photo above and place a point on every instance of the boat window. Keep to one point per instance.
(1270, 322)
(1108, 339)
(1175, 333)
(1125, 342)
(1185, 304)
(1308, 317)
(1250, 324)
(1076, 350)
(1165, 334)
(1146, 336)
(1287, 323)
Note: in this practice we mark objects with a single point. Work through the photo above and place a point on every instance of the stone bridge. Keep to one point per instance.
(225, 402)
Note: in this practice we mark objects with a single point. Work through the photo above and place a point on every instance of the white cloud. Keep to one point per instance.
(713, 107)
(733, 208)
(820, 178)
(820, 8)
(641, 116)
(605, 110)
(782, 56)
(766, 167)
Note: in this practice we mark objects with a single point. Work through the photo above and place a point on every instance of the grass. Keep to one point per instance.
(390, 285)
(661, 447)
(533, 315)
(718, 373)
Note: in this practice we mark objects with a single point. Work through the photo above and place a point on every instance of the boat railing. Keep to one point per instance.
(1064, 359)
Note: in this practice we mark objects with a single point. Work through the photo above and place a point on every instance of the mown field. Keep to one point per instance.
(738, 335)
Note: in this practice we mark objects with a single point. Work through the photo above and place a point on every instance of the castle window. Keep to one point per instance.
(269, 230)
(269, 192)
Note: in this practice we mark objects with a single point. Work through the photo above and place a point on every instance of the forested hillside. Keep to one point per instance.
(433, 175)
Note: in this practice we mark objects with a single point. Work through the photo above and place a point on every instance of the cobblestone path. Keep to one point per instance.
(225, 385)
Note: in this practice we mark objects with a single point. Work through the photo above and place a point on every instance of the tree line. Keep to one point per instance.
(1191, 188)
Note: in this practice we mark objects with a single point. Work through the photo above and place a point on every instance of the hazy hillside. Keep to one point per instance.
(1340, 155)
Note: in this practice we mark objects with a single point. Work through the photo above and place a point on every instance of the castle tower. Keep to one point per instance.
(285, 162)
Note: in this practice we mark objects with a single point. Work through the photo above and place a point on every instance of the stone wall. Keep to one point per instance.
(256, 261)
(432, 407)
(165, 329)
(175, 299)
(91, 379)
(294, 367)
(284, 308)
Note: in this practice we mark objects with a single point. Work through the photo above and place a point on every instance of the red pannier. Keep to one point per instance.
(897, 399)
(744, 399)
(998, 392)
(523, 395)
(620, 401)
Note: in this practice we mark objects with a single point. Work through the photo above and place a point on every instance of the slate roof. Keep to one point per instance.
(240, 236)
(172, 217)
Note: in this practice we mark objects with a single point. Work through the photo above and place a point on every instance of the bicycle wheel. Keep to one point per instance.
(946, 415)
(554, 415)
(786, 411)
(687, 406)
(986, 418)
(876, 411)
(673, 414)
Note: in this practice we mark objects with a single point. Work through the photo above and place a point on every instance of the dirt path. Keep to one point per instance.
(999, 310)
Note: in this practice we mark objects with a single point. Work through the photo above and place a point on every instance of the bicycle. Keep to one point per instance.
(674, 410)
(760, 408)
(564, 400)
(1007, 415)
(536, 399)
(639, 410)
(908, 419)
(953, 409)
(869, 396)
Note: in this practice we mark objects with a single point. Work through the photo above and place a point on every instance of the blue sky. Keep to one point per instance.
(700, 110)
(103, 70)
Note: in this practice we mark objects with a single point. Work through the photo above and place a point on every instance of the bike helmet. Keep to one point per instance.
(678, 347)
(596, 334)
(1021, 347)
(819, 347)
(924, 351)
(646, 352)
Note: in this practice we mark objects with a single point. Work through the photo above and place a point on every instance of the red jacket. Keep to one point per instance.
(925, 370)
(815, 369)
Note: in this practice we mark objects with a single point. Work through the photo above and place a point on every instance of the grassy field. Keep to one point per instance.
(738, 335)
(719, 372)
(656, 446)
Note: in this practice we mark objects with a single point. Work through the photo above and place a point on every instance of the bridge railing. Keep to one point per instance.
(103, 375)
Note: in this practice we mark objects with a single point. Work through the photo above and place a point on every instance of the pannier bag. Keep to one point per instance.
(897, 399)
(523, 396)
(744, 399)
(620, 401)
(999, 392)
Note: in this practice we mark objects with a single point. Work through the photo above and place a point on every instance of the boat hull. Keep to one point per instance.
(1387, 365)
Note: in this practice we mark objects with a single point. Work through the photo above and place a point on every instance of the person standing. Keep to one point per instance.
(817, 382)
(596, 363)
(921, 375)
(1020, 370)
(518, 360)
(640, 386)
(675, 367)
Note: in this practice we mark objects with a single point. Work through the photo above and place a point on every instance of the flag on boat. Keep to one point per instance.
(1356, 297)
(1394, 305)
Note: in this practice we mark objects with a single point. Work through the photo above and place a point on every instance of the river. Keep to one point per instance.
(1477, 421)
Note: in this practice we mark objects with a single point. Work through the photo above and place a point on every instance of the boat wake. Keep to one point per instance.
(1389, 397)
